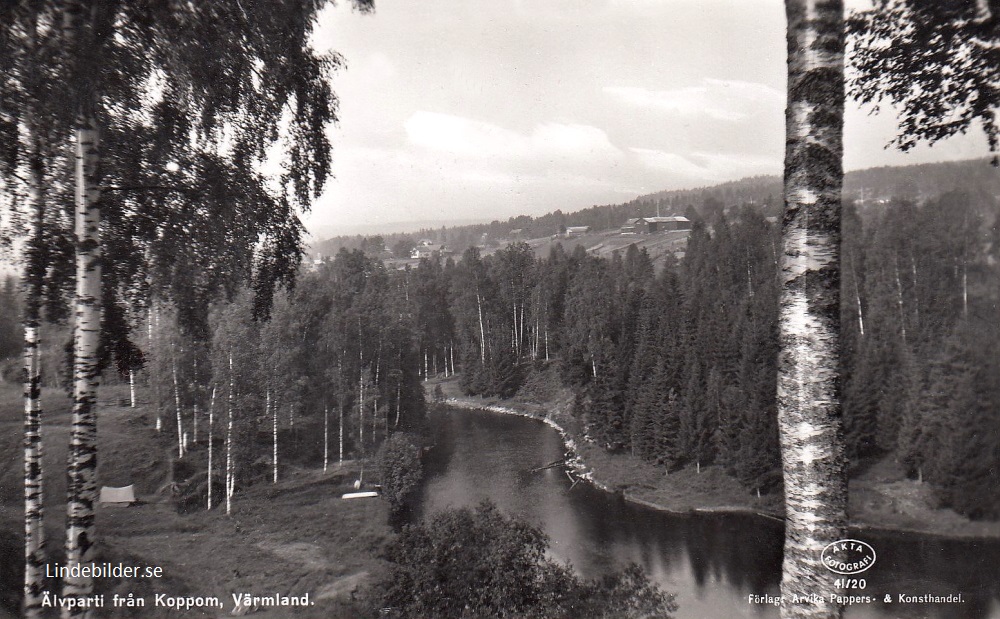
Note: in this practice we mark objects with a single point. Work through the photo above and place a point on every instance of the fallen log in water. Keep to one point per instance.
(550, 465)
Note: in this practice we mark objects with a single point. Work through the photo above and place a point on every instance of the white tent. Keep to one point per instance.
(118, 496)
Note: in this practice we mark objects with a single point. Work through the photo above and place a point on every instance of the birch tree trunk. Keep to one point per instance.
(482, 329)
(196, 383)
(326, 437)
(34, 532)
(229, 438)
(154, 325)
(81, 470)
(399, 387)
(177, 407)
(211, 425)
(965, 287)
(809, 409)
(899, 299)
(274, 422)
(857, 301)
(82, 467)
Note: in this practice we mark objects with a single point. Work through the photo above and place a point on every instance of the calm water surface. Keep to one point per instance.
(712, 562)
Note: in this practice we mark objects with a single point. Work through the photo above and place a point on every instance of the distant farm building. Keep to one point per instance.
(317, 262)
(429, 250)
(577, 230)
(649, 225)
(627, 229)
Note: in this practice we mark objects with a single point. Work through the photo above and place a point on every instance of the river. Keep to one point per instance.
(714, 563)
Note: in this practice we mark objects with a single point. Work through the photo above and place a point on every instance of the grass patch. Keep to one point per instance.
(295, 537)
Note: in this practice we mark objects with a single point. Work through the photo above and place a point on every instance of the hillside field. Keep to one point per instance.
(290, 538)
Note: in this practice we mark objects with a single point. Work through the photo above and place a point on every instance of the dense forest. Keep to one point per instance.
(675, 365)
(678, 366)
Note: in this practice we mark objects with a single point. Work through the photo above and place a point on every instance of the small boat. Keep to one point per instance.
(359, 495)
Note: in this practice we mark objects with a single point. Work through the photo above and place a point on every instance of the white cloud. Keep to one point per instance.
(462, 136)
(726, 100)
(468, 138)
(707, 167)
(571, 141)
(660, 160)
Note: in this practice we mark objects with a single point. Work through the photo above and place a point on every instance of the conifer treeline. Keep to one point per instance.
(675, 366)
(678, 367)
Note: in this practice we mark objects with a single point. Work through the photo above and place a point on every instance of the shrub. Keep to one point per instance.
(400, 469)
(468, 563)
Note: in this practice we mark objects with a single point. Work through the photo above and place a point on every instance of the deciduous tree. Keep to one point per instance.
(936, 60)
(809, 408)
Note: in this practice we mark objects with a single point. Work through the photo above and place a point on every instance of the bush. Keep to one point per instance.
(400, 469)
(478, 563)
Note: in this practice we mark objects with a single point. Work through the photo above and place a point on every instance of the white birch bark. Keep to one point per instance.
(154, 324)
(965, 288)
(399, 386)
(34, 531)
(81, 493)
(326, 437)
(34, 537)
(211, 437)
(482, 330)
(81, 470)
(177, 407)
(229, 439)
(534, 346)
(378, 366)
(194, 405)
(274, 425)
(361, 411)
(916, 296)
(857, 301)
(899, 300)
(809, 409)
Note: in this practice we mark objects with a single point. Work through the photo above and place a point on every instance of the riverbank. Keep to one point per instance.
(881, 498)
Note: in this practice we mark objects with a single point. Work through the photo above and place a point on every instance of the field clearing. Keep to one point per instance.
(292, 538)
(604, 244)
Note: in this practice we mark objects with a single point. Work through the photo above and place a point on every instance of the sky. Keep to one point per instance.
(481, 110)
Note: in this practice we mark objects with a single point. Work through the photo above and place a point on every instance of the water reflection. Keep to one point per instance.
(713, 562)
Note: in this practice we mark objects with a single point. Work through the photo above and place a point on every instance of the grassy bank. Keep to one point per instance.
(290, 538)
(881, 497)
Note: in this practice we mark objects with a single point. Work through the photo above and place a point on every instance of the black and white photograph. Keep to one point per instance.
(498, 309)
